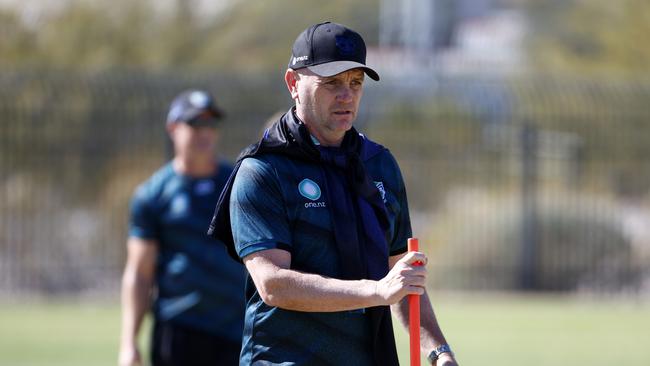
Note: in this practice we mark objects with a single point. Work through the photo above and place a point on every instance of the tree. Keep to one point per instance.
(246, 36)
(590, 36)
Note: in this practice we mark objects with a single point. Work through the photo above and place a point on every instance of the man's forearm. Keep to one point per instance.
(135, 304)
(431, 335)
(293, 290)
(280, 286)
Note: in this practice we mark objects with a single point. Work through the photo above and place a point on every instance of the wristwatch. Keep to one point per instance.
(444, 348)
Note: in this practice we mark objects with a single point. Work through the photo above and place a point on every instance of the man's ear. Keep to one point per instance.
(171, 127)
(291, 78)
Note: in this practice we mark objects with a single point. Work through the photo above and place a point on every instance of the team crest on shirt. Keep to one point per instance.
(382, 190)
(180, 205)
(310, 190)
(204, 187)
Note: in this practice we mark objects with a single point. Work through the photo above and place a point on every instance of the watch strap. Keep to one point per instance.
(443, 348)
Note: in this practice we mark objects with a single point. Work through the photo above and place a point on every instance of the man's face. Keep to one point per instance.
(194, 141)
(328, 105)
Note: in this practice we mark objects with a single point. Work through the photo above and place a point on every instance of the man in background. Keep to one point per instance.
(197, 290)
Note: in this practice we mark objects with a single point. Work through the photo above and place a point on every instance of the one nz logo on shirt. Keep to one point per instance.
(310, 190)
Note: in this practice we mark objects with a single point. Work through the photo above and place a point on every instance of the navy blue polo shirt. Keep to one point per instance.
(280, 203)
(198, 285)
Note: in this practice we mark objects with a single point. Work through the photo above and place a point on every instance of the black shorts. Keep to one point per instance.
(172, 345)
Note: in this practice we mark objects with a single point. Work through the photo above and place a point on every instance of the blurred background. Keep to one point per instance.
(522, 128)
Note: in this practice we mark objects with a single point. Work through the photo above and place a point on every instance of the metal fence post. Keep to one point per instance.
(529, 255)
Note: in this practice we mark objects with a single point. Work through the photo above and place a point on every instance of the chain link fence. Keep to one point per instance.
(514, 184)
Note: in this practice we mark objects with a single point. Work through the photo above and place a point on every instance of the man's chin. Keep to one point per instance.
(344, 123)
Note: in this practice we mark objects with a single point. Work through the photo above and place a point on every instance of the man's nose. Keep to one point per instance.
(345, 94)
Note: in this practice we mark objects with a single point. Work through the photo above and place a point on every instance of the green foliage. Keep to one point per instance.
(592, 37)
(248, 36)
(17, 44)
(257, 35)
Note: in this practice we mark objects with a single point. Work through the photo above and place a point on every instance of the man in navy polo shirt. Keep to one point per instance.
(318, 214)
(199, 290)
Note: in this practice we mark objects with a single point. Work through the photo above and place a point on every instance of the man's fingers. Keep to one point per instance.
(414, 281)
(411, 271)
(415, 258)
(415, 290)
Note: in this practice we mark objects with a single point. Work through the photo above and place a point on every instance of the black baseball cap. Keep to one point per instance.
(328, 49)
(194, 107)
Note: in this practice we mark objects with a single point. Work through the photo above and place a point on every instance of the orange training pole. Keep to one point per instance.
(414, 314)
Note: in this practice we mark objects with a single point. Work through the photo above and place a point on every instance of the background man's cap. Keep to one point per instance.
(194, 107)
(328, 49)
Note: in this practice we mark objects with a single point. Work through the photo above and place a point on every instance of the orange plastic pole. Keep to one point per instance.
(414, 314)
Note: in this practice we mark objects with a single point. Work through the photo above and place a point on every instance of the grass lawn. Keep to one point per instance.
(484, 330)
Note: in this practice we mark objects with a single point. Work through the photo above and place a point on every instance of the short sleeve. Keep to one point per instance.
(142, 221)
(403, 229)
(257, 211)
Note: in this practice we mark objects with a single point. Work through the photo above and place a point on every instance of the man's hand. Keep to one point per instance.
(407, 277)
(446, 359)
(129, 356)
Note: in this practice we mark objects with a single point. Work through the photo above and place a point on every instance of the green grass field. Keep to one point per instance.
(483, 329)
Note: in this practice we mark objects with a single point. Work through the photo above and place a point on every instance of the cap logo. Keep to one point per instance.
(346, 45)
(299, 59)
(199, 99)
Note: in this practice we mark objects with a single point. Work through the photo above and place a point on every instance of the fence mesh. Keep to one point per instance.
(514, 183)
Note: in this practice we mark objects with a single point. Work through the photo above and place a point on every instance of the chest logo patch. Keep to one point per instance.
(204, 187)
(179, 205)
(309, 189)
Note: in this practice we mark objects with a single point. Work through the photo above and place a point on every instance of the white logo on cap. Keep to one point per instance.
(199, 99)
(300, 58)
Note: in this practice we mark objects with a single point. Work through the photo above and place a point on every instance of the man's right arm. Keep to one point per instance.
(280, 286)
(263, 239)
(137, 283)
